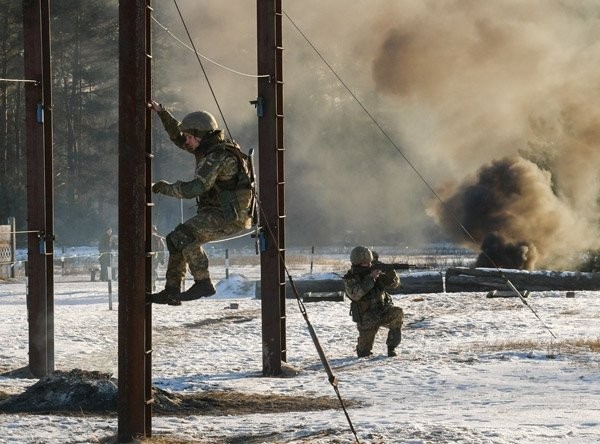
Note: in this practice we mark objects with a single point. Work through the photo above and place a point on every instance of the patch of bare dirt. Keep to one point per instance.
(82, 392)
(237, 318)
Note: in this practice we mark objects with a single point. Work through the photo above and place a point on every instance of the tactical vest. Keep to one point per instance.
(237, 195)
(376, 299)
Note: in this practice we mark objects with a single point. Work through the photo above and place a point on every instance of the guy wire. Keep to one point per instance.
(414, 168)
(332, 379)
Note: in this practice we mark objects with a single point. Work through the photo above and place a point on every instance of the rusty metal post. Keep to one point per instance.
(270, 145)
(41, 348)
(13, 245)
(133, 192)
(49, 178)
(148, 233)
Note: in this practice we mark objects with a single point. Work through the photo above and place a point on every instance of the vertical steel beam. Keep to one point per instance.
(40, 327)
(49, 178)
(13, 245)
(133, 192)
(280, 150)
(148, 233)
(270, 145)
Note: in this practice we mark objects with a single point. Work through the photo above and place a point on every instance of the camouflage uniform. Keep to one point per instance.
(372, 307)
(223, 203)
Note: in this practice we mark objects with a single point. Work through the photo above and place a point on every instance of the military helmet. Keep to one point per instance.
(198, 123)
(359, 255)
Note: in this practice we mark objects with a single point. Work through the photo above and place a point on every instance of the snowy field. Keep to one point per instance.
(471, 369)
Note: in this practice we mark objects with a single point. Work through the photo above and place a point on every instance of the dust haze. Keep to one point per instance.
(467, 90)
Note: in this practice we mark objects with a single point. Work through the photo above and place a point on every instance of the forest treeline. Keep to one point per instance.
(85, 98)
(85, 67)
(84, 59)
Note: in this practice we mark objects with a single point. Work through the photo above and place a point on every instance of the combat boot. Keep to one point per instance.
(201, 289)
(170, 296)
(392, 352)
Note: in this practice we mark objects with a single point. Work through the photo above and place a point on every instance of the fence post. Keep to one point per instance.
(226, 263)
(62, 261)
(109, 279)
(13, 245)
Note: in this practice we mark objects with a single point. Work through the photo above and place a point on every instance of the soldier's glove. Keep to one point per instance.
(162, 187)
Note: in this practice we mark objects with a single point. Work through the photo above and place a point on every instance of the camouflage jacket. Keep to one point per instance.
(220, 178)
(369, 294)
(106, 243)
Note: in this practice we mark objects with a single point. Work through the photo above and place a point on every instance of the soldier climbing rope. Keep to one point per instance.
(257, 209)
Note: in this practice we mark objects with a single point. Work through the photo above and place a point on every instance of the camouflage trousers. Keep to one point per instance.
(389, 317)
(206, 226)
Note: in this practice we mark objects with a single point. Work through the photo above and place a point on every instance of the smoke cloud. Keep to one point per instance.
(510, 208)
(486, 99)
(511, 82)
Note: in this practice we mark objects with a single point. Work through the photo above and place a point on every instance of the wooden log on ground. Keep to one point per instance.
(337, 296)
(489, 279)
(420, 282)
(506, 294)
(308, 286)
(411, 283)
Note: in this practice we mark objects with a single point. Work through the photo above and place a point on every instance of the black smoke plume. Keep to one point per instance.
(509, 210)
(497, 252)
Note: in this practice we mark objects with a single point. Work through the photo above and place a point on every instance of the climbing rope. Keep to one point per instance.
(198, 55)
(331, 377)
(449, 211)
(203, 70)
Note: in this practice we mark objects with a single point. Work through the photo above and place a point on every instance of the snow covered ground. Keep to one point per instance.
(471, 369)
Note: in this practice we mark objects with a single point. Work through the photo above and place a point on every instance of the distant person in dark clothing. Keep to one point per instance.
(105, 247)
(158, 248)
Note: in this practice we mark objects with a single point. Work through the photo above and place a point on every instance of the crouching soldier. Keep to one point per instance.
(372, 306)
